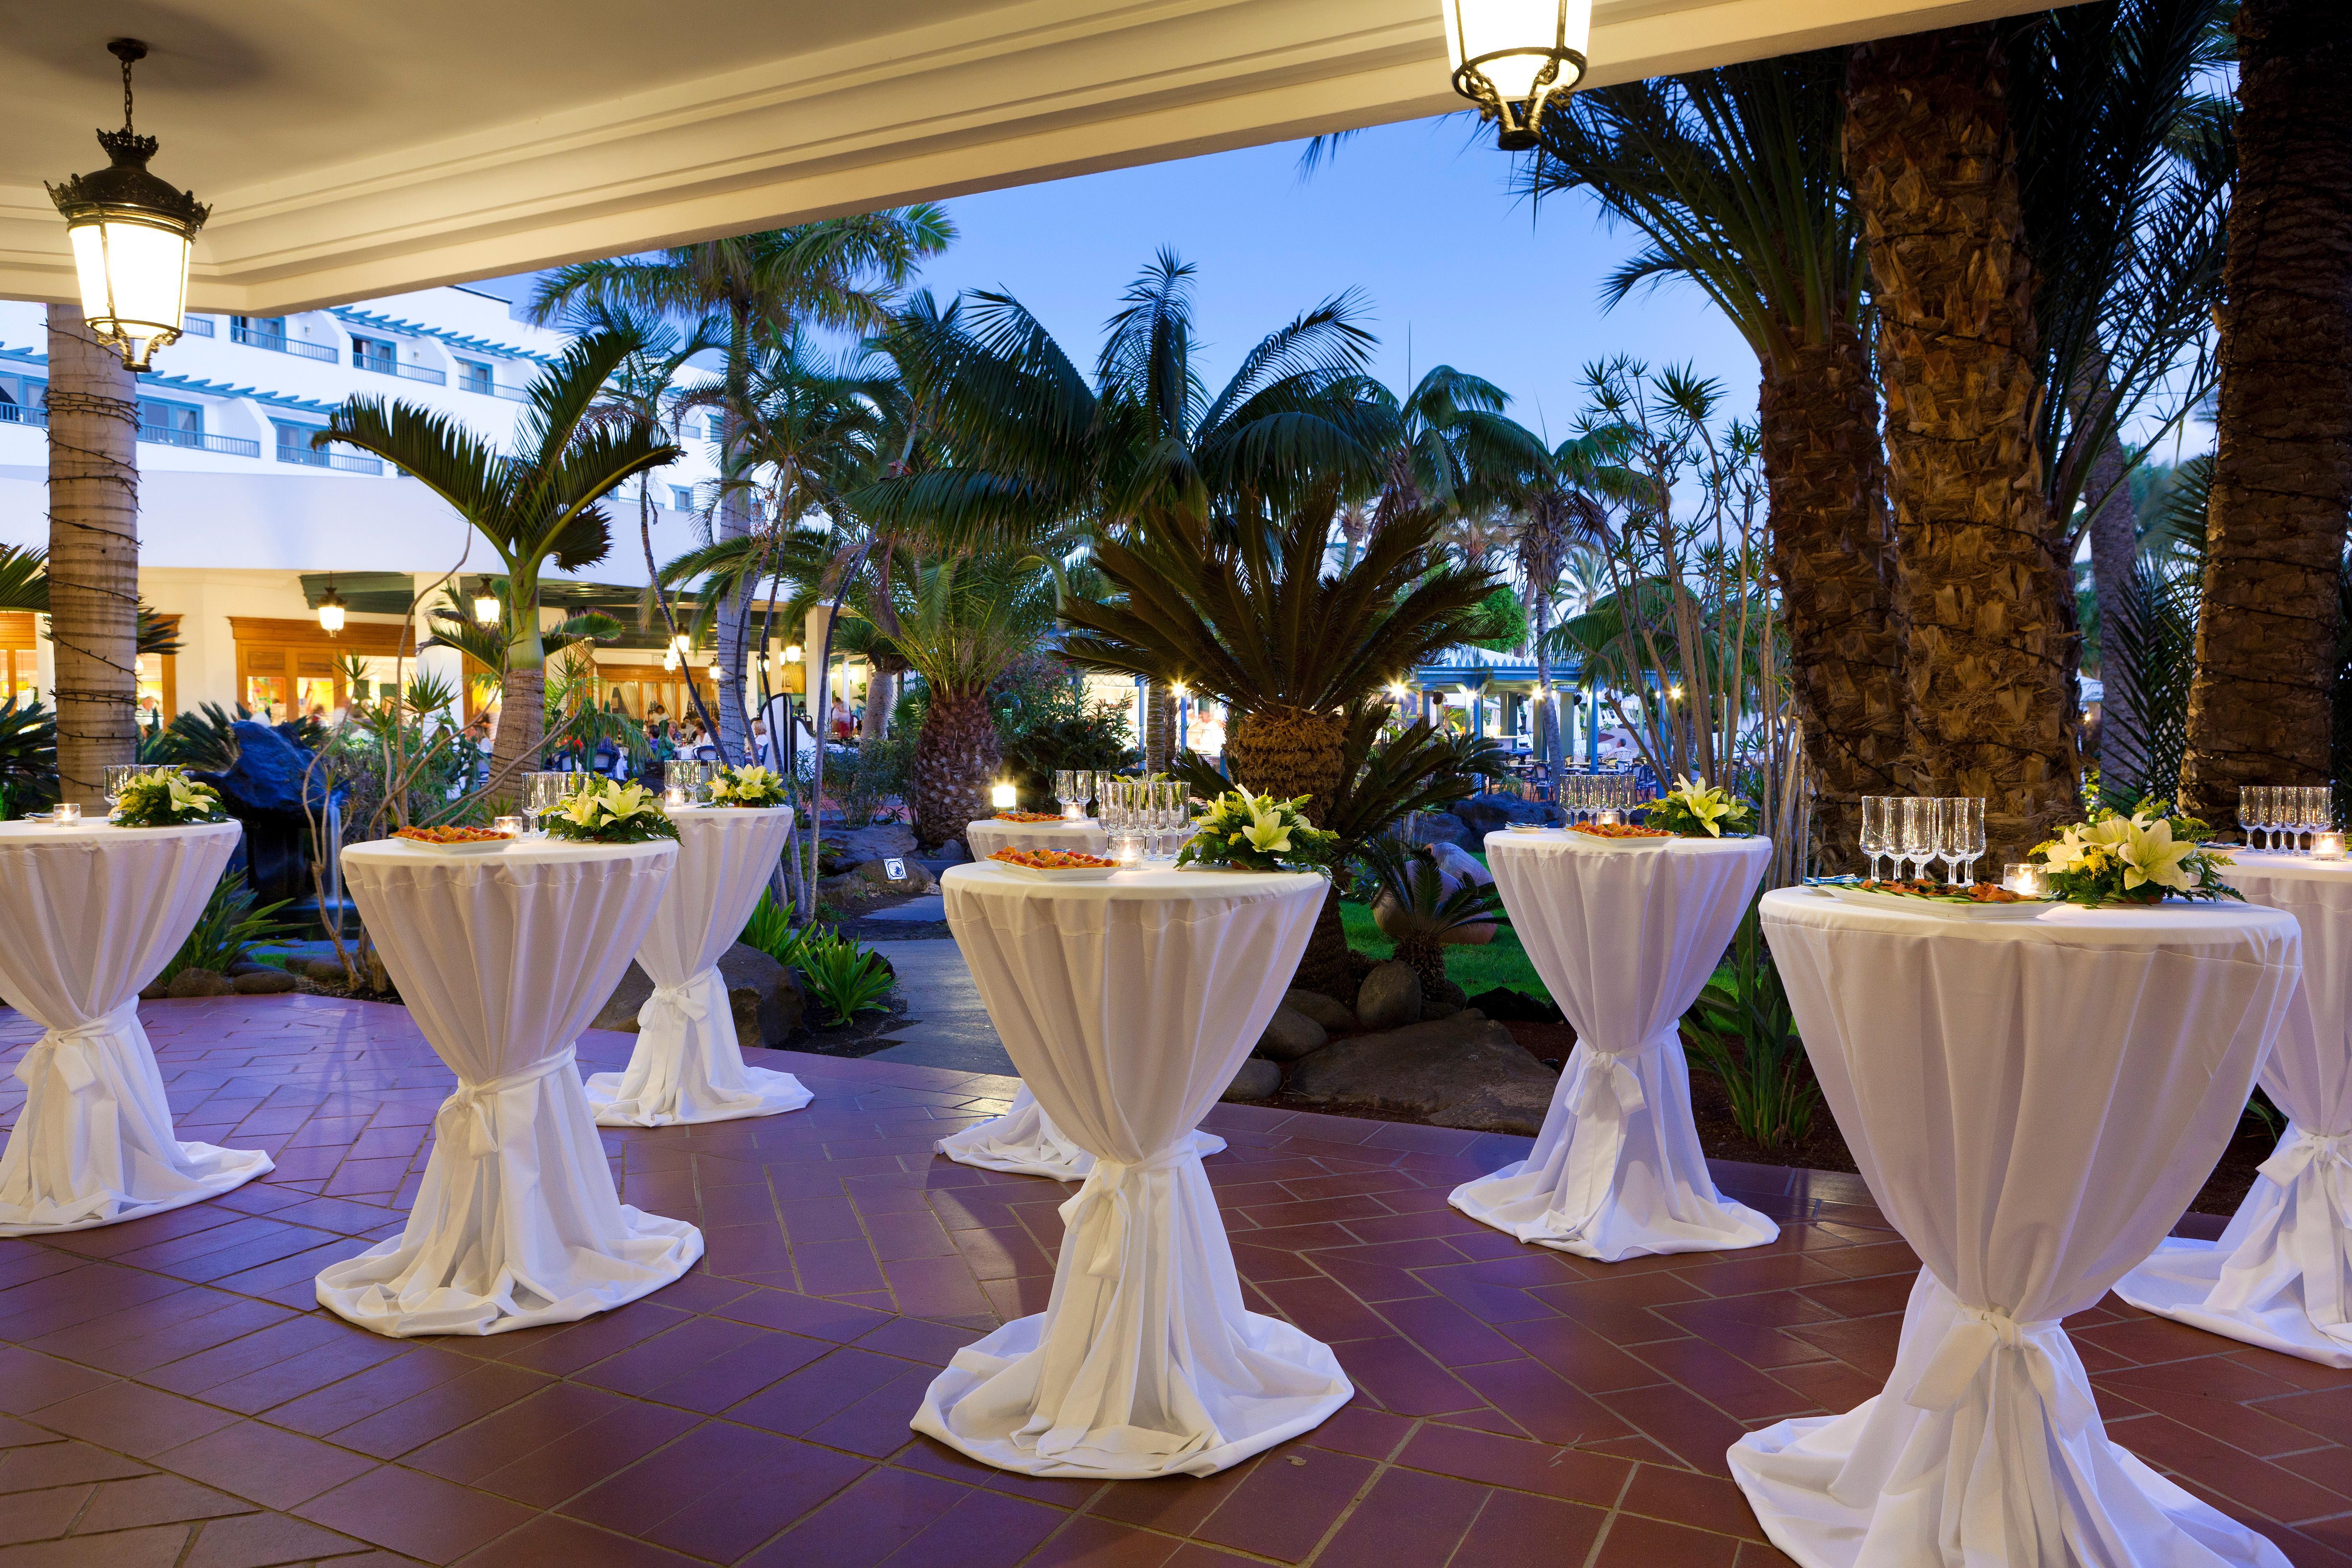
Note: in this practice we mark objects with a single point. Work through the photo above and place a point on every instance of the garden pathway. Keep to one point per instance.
(170, 1394)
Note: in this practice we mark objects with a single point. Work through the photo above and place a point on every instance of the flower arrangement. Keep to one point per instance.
(1695, 810)
(2142, 858)
(605, 811)
(166, 798)
(1258, 833)
(748, 786)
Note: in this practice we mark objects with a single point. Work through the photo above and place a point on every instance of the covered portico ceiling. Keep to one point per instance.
(355, 151)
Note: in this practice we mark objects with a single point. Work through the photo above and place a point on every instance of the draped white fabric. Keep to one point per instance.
(1025, 1142)
(988, 836)
(2033, 1102)
(2281, 1275)
(502, 960)
(689, 1065)
(88, 916)
(1127, 1004)
(1624, 938)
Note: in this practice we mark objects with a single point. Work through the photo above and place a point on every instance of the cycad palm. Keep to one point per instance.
(536, 506)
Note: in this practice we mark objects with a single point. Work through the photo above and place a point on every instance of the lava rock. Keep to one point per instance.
(326, 970)
(1327, 1011)
(858, 845)
(1511, 1006)
(1431, 1011)
(1460, 866)
(913, 879)
(953, 853)
(1390, 996)
(1444, 827)
(1258, 1080)
(238, 971)
(1484, 813)
(199, 983)
(1289, 1036)
(1453, 1073)
(262, 981)
(765, 998)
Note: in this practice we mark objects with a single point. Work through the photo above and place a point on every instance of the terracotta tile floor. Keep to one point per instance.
(170, 1395)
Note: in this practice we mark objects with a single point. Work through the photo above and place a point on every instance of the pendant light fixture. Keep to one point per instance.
(1513, 57)
(330, 608)
(486, 606)
(131, 233)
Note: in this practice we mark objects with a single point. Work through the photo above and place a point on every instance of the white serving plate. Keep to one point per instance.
(480, 847)
(1058, 873)
(1531, 827)
(2019, 912)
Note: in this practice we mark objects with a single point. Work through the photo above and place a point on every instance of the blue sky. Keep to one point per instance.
(1456, 268)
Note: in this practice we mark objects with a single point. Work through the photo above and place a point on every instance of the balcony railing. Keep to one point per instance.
(235, 445)
(254, 337)
(492, 389)
(25, 413)
(346, 462)
(383, 366)
(195, 326)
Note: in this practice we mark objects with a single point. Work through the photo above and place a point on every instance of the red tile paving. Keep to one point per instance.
(171, 1394)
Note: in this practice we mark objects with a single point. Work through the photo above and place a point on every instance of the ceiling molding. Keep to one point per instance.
(976, 102)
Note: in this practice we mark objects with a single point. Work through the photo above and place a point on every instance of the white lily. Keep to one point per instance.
(2151, 855)
(1267, 833)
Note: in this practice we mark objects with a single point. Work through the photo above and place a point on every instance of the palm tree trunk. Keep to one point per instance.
(93, 556)
(1291, 754)
(1834, 559)
(954, 758)
(523, 725)
(1983, 595)
(728, 667)
(1158, 727)
(2259, 703)
(2115, 552)
(881, 697)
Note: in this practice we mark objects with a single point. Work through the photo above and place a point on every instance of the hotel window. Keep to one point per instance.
(373, 353)
(21, 400)
(473, 375)
(246, 329)
(173, 424)
(682, 498)
(294, 444)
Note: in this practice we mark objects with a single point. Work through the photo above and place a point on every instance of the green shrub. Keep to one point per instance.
(228, 931)
(848, 978)
(1741, 1030)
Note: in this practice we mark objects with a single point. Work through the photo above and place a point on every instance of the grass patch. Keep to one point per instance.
(1502, 962)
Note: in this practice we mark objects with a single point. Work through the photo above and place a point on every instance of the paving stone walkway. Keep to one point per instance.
(171, 1397)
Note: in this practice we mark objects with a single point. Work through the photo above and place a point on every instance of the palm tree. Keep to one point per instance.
(747, 289)
(2260, 708)
(1555, 517)
(1733, 177)
(1452, 447)
(1415, 908)
(537, 506)
(1982, 585)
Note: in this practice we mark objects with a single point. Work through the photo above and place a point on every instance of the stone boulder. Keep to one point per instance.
(765, 997)
(1458, 1072)
(952, 853)
(200, 983)
(912, 877)
(1484, 813)
(1327, 1011)
(1390, 996)
(262, 981)
(1441, 827)
(1258, 1080)
(1289, 1036)
(858, 845)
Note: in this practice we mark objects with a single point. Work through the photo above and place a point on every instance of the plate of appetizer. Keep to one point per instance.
(1622, 835)
(1979, 900)
(1055, 865)
(1030, 816)
(456, 840)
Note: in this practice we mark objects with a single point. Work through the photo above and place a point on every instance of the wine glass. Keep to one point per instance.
(1065, 782)
(1922, 822)
(117, 776)
(2272, 815)
(2318, 810)
(2250, 812)
(1877, 834)
(1963, 835)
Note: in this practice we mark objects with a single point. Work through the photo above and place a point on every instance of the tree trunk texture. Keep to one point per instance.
(2260, 702)
(1834, 557)
(1983, 592)
(955, 757)
(881, 697)
(93, 565)
(523, 725)
(2114, 550)
(1158, 727)
(1291, 754)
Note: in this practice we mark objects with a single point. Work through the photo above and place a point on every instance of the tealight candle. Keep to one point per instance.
(1075, 812)
(1613, 818)
(66, 815)
(676, 796)
(513, 825)
(2327, 846)
(1126, 849)
(2027, 879)
(1003, 798)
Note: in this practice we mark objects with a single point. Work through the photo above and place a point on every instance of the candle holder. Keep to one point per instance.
(676, 795)
(1075, 812)
(1612, 818)
(1003, 798)
(2327, 846)
(515, 825)
(66, 815)
(1126, 849)
(2026, 878)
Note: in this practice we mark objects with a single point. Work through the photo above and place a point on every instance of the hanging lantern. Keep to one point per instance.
(131, 233)
(486, 606)
(330, 608)
(1512, 58)
(792, 652)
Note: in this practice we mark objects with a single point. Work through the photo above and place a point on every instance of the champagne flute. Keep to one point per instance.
(2318, 810)
(1963, 835)
(1920, 829)
(117, 776)
(1877, 832)
(2250, 812)
(2272, 826)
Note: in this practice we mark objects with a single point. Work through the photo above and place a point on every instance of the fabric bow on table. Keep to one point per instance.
(465, 1122)
(1978, 1334)
(1100, 1214)
(689, 1000)
(2322, 1162)
(68, 1050)
(1609, 1094)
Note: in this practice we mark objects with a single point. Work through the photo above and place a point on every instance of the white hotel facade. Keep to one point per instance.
(242, 525)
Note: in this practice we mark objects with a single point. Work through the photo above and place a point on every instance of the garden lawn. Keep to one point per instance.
(1502, 962)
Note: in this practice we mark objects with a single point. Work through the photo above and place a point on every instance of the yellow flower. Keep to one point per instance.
(1708, 805)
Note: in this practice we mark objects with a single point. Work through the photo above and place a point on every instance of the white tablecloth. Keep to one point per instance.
(88, 916)
(1126, 1004)
(2281, 1275)
(1624, 938)
(502, 960)
(687, 1064)
(988, 836)
(2033, 1103)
